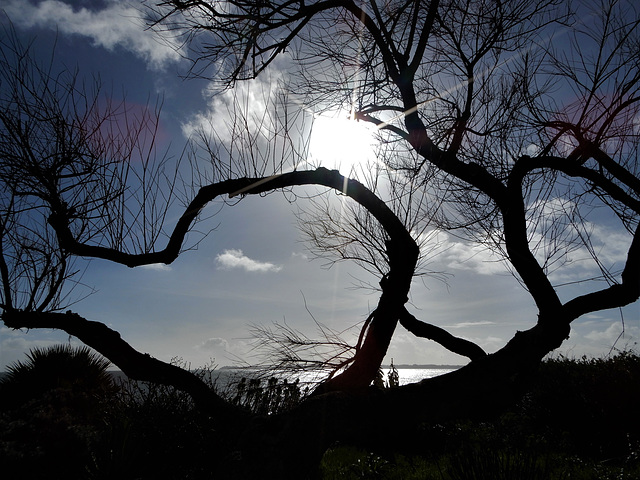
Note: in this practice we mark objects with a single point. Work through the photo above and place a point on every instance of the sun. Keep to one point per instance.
(338, 142)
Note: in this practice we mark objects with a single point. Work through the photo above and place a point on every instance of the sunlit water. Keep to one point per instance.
(407, 375)
(227, 376)
(413, 375)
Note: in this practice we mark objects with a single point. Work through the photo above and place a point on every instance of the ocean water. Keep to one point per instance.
(413, 375)
(228, 376)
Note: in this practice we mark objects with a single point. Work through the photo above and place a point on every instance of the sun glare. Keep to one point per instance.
(342, 144)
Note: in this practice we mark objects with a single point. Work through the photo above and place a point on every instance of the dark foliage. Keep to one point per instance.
(574, 399)
(273, 396)
(52, 409)
(579, 420)
(154, 431)
(57, 367)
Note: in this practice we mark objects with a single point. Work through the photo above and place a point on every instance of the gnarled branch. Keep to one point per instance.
(136, 365)
(454, 344)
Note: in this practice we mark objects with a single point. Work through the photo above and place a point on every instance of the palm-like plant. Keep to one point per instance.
(75, 369)
(53, 407)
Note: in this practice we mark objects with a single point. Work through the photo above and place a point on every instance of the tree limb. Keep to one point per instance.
(402, 252)
(454, 344)
(134, 364)
(617, 295)
(60, 221)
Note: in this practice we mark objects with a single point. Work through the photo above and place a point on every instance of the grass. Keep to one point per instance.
(351, 463)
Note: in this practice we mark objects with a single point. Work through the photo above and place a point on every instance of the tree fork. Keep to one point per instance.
(402, 252)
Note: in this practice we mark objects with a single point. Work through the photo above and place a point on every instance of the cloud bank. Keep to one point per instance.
(120, 24)
(571, 262)
(253, 100)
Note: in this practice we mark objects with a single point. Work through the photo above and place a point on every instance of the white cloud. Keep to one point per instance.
(254, 98)
(301, 255)
(213, 344)
(24, 344)
(14, 344)
(558, 241)
(575, 261)
(120, 24)
(532, 150)
(607, 336)
(481, 323)
(568, 259)
(236, 259)
(612, 245)
(231, 352)
(160, 267)
(459, 255)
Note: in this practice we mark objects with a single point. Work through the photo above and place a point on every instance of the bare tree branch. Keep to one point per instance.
(134, 364)
(454, 344)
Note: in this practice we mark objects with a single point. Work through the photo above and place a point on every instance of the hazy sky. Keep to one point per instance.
(253, 268)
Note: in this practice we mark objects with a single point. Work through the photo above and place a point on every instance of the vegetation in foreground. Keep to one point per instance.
(579, 420)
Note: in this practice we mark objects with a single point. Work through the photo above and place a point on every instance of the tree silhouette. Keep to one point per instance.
(513, 124)
(519, 120)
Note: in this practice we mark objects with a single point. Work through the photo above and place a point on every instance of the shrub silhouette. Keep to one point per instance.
(581, 396)
(52, 410)
(77, 369)
(274, 396)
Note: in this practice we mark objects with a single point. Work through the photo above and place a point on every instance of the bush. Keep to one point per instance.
(274, 396)
(580, 420)
(63, 417)
(52, 411)
(587, 406)
(78, 370)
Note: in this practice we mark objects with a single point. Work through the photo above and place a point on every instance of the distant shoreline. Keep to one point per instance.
(398, 366)
(424, 367)
(401, 366)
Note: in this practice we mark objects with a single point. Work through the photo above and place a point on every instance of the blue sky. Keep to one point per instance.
(254, 269)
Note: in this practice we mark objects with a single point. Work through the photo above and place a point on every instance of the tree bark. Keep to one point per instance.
(454, 344)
